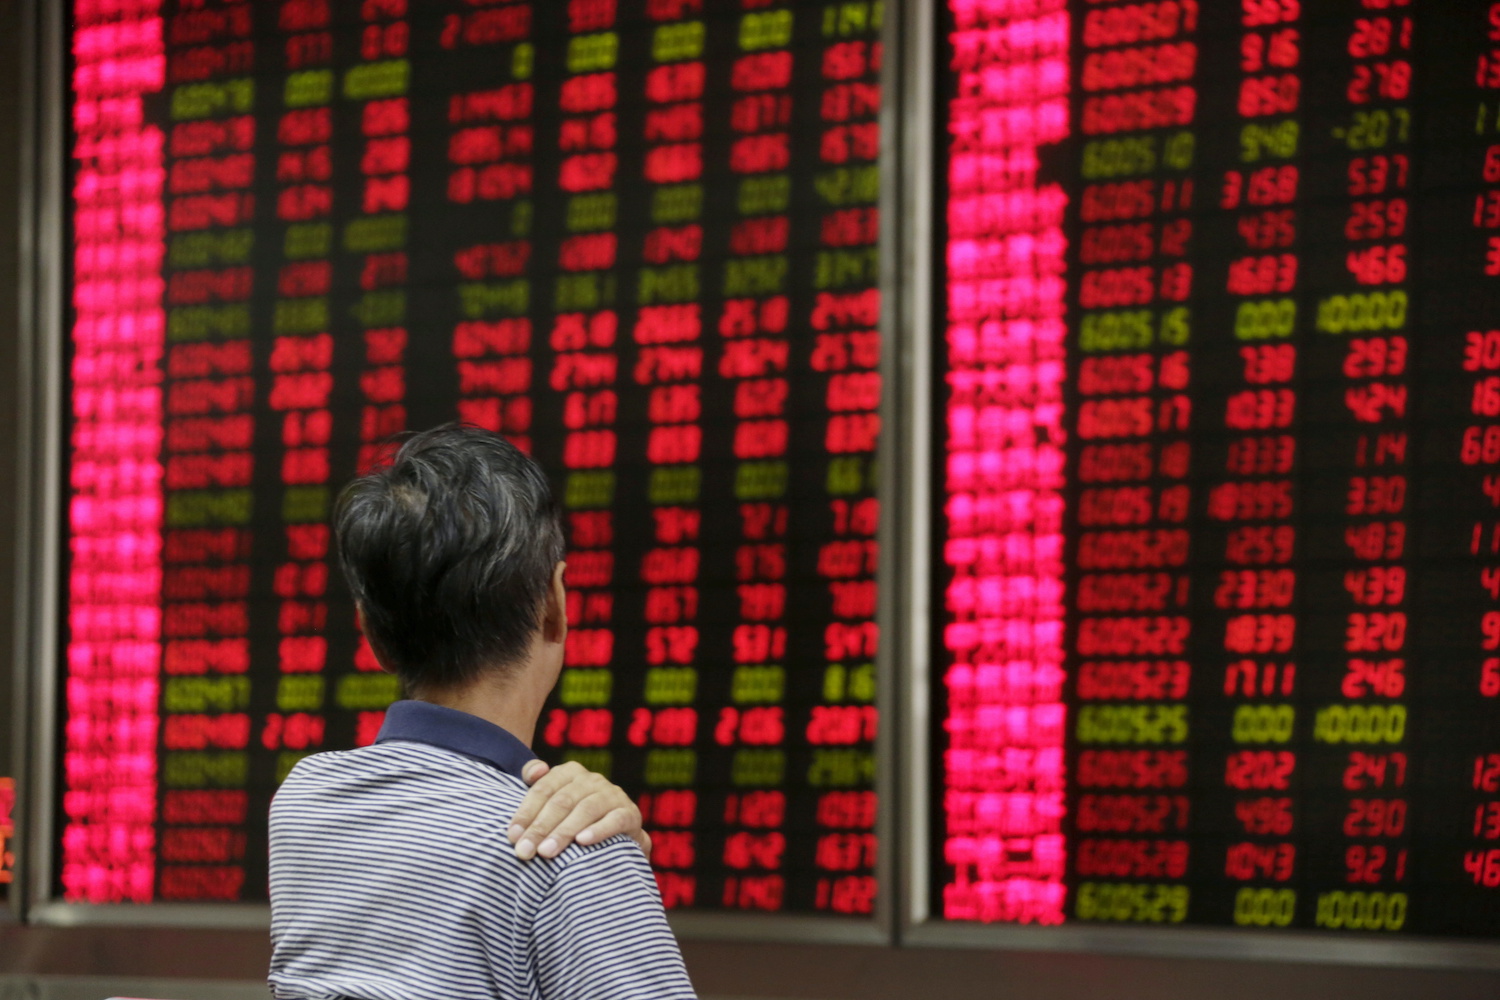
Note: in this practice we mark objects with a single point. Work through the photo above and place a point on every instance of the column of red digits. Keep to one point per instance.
(1480, 449)
(115, 498)
(379, 85)
(489, 155)
(584, 370)
(1133, 675)
(1257, 586)
(752, 329)
(845, 354)
(1364, 730)
(1005, 467)
(668, 338)
(300, 379)
(207, 450)
(385, 162)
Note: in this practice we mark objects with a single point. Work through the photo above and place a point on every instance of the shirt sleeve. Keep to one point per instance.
(601, 932)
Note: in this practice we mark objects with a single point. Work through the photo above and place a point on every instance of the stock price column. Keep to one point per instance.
(668, 366)
(378, 90)
(583, 368)
(754, 358)
(486, 211)
(1250, 538)
(370, 225)
(1131, 675)
(296, 389)
(208, 457)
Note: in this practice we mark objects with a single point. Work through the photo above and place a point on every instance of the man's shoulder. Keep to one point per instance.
(428, 804)
(607, 862)
(396, 763)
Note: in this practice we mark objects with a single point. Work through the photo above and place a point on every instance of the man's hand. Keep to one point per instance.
(568, 803)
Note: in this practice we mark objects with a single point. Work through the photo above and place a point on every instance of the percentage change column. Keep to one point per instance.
(844, 358)
(1456, 857)
(1360, 740)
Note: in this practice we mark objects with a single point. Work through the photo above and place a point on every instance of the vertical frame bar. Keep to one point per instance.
(40, 433)
(22, 317)
(912, 495)
(895, 460)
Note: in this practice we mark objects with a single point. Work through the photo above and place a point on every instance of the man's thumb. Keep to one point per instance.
(533, 770)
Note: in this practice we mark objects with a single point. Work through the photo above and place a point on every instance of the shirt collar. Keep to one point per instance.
(424, 722)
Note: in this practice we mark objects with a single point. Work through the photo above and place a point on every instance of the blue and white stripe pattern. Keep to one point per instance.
(392, 879)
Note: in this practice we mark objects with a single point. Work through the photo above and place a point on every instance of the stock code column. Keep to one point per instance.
(1131, 675)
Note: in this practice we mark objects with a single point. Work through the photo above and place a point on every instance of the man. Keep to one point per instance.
(392, 872)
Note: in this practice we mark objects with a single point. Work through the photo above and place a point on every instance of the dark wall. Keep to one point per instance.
(10, 105)
(806, 972)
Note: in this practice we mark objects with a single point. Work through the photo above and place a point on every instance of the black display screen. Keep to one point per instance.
(638, 239)
(1218, 538)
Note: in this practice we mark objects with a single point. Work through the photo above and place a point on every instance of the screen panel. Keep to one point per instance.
(637, 238)
(1214, 548)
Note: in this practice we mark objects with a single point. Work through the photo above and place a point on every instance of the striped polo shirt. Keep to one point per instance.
(392, 879)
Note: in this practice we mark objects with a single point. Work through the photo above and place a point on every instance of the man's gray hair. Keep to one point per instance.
(449, 552)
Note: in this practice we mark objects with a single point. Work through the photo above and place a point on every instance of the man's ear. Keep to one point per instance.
(555, 627)
(359, 617)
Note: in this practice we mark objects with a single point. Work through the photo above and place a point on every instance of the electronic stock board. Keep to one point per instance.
(639, 240)
(1217, 557)
(1214, 565)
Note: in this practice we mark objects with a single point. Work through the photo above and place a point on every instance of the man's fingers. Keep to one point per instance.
(541, 837)
(621, 819)
(569, 803)
(581, 817)
(544, 784)
(553, 797)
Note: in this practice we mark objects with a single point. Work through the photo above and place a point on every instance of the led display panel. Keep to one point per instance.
(636, 237)
(1218, 554)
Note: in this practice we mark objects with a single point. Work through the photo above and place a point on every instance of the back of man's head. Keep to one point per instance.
(450, 551)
